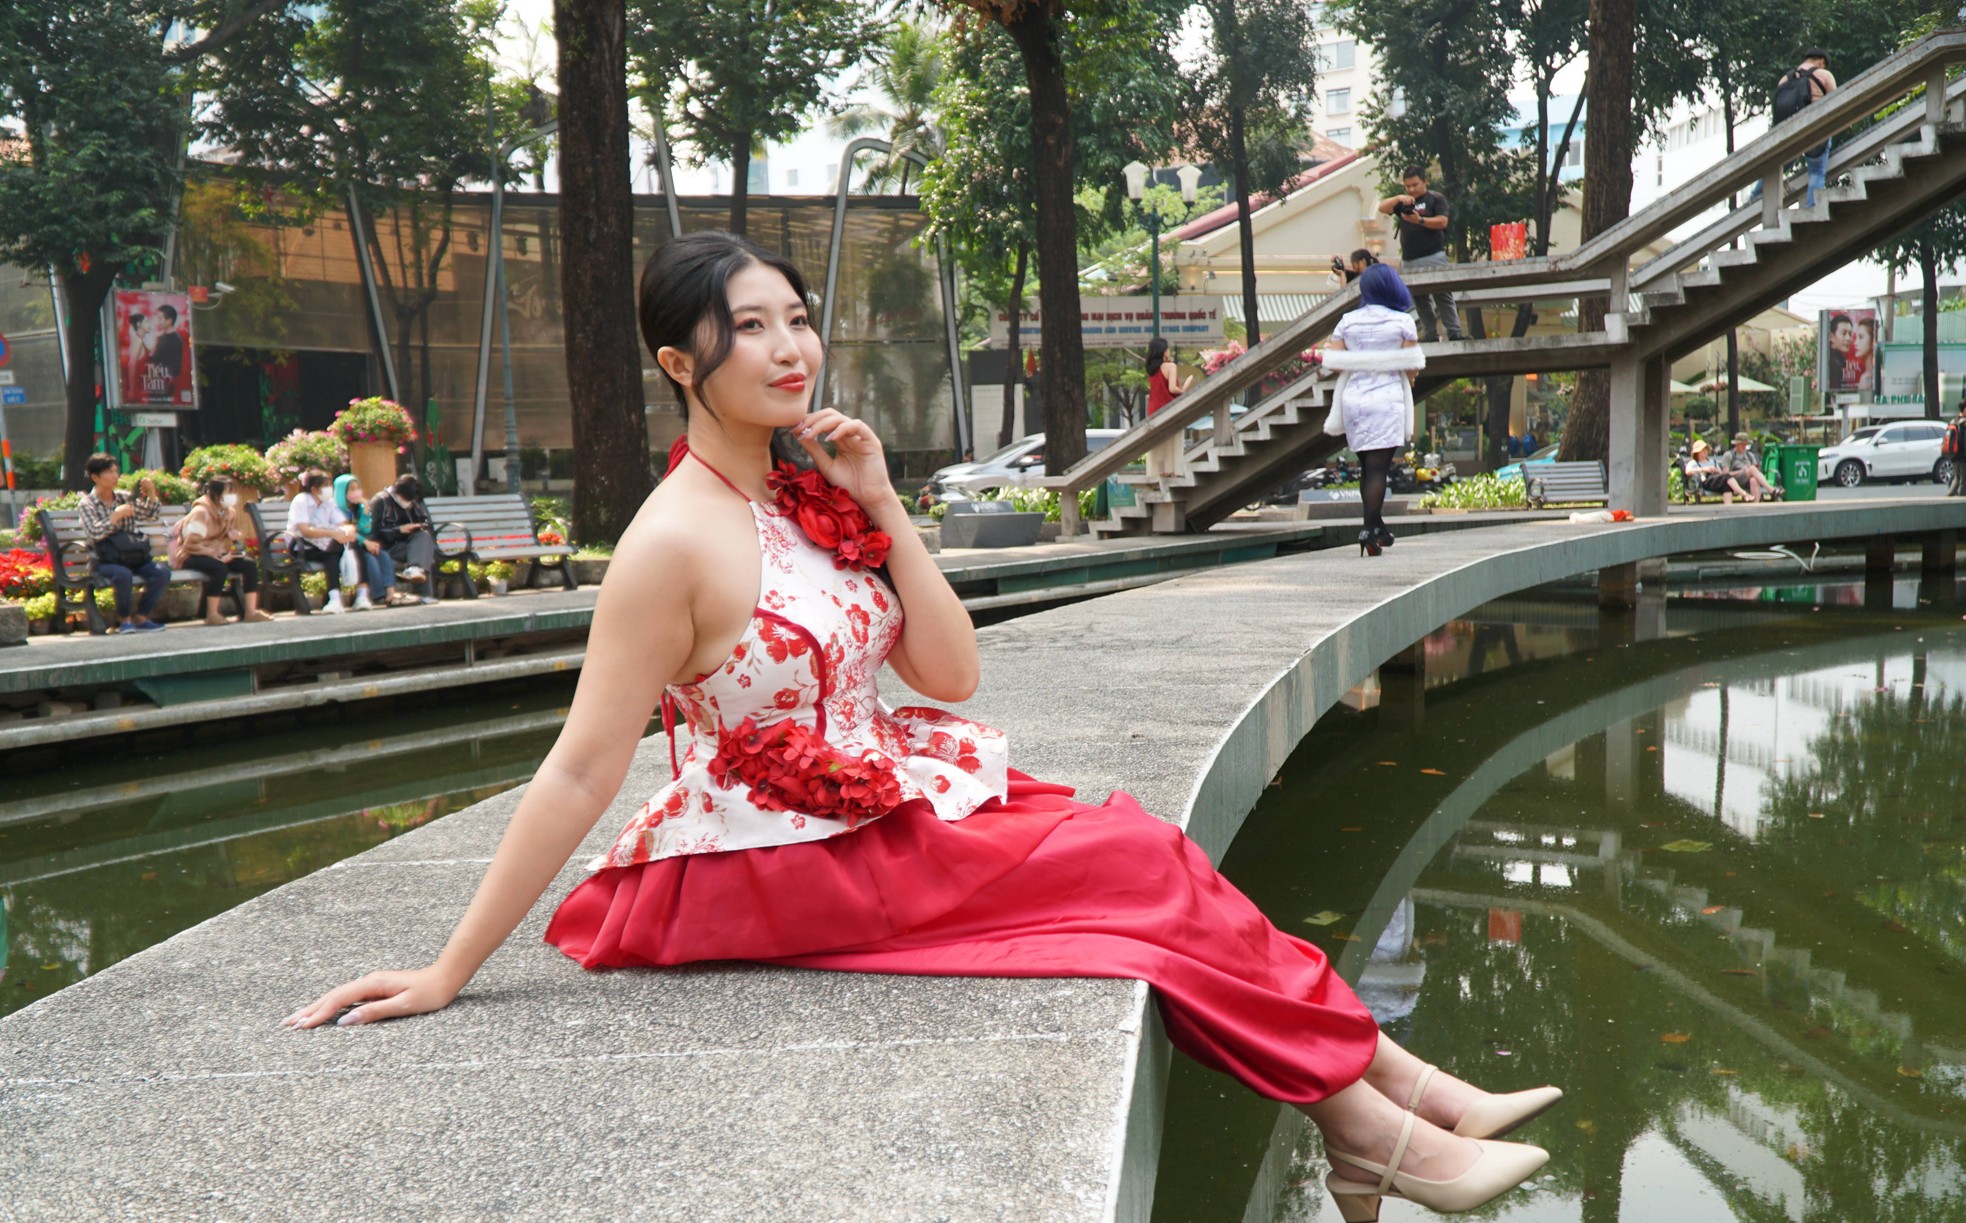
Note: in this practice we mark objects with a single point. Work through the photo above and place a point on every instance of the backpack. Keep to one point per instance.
(1795, 92)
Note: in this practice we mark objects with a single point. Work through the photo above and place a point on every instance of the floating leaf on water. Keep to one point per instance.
(1348, 938)
(1710, 910)
(1687, 847)
(1433, 772)
(1728, 874)
(1653, 824)
(1911, 1072)
(150, 874)
(1815, 815)
(1351, 830)
(1816, 1033)
(49, 967)
(1723, 1070)
(1675, 1038)
(1829, 893)
(1587, 1125)
(1740, 972)
(1897, 927)
(1387, 764)
(1322, 919)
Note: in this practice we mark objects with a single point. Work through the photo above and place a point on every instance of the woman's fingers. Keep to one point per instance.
(375, 985)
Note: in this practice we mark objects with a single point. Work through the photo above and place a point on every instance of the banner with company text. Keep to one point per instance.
(1125, 322)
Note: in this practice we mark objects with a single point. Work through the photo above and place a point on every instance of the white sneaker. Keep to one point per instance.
(362, 600)
(334, 607)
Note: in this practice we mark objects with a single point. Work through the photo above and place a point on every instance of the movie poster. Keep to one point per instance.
(1849, 353)
(153, 350)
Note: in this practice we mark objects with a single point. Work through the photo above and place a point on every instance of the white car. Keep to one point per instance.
(1012, 467)
(1899, 450)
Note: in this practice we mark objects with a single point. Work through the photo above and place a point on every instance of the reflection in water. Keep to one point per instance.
(1707, 872)
(96, 867)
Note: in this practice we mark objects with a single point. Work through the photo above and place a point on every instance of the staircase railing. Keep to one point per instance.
(1898, 82)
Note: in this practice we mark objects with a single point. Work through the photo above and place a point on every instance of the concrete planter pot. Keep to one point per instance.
(374, 464)
(589, 570)
(186, 602)
(1049, 532)
(498, 587)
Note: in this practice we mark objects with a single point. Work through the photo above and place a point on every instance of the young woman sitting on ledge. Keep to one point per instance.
(756, 604)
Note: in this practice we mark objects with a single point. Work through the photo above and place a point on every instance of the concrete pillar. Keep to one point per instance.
(1640, 394)
(1403, 690)
(1619, 586)
(1940, 552)
(1621, 765)
(1880, 554)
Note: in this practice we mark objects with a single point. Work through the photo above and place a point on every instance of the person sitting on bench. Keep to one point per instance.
(317, 530)
(1703, 473)
(123, 554)
(1739, 462)
(400, 522)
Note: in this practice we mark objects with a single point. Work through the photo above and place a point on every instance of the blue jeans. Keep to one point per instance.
(156, 579)
(1818, 163)
(379, 570)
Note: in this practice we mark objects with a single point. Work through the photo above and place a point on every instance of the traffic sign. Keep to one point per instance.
(13, 394)
(6, 377)
(6, 353)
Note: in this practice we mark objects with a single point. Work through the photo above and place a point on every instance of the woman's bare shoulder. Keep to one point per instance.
(672, 536)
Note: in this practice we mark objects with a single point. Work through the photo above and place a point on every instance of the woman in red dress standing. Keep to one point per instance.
(808, 824)
(1164, 385)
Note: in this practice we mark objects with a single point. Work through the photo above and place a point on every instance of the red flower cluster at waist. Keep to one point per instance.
(829, 517)
(789, 767)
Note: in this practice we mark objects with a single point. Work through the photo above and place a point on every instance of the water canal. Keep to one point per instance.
(1703, 864)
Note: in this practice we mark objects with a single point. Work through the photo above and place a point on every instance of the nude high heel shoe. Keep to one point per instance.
(1496, 1115)
(1500, 1167)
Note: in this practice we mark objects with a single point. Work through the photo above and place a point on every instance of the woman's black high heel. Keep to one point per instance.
(1385, 537)
(1368, 543)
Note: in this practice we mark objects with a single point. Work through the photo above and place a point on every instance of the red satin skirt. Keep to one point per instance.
(1035, 886)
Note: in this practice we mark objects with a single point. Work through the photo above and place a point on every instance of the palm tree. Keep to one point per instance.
(906, 72)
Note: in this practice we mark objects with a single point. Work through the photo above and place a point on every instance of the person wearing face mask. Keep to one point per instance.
(208, 540)
(378, 567)
(402, 526)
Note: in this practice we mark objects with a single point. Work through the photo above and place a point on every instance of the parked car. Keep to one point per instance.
(1514, 470)
(1011, 467)
(1900, 450)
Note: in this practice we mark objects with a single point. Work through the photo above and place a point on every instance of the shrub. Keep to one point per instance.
(30, 472)
(301, 450)
(30, 523)
(241, 464)
(1479, 492)
(40, 607)
(172, 489)
(500, 571)
(374, 419)
(1040, 500)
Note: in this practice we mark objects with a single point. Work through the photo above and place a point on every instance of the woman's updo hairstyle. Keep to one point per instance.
(684, 299)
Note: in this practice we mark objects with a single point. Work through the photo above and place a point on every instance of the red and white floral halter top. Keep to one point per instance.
(788, 740)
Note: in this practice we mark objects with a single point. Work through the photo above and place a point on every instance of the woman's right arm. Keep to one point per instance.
(629, 657)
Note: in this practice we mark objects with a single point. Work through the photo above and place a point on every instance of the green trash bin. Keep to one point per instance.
(1793, 466)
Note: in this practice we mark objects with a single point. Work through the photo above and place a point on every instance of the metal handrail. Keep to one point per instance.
(1921, 65)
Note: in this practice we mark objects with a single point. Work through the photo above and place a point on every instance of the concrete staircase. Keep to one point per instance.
(1747, 258)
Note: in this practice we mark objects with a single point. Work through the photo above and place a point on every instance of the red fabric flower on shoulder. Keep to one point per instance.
(829, 517)
(789, 767)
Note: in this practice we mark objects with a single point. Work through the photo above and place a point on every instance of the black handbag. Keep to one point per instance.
(126, 548)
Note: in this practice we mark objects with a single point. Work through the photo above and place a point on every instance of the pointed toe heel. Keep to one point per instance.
(1499, 1115)
(1500, 1167)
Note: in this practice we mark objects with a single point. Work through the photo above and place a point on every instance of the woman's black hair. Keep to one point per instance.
(215, 489)
(312, 479)
(1156, 353)
(684, 300)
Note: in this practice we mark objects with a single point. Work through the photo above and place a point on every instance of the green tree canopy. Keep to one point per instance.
(732, 75)
(906, 70)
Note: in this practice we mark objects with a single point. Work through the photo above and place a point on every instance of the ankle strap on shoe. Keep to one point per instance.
(1420, 1087)
(1391, 1170)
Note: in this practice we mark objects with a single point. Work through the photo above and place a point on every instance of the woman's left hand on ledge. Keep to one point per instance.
(380, 995)
(857, 462)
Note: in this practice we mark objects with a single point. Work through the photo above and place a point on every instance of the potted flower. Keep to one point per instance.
(375, 430)
(301, 450)
(251, 475)
(499, 574)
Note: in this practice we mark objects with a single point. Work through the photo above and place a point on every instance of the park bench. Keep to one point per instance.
(278, 566)
(1566, 484)
(72, 560)
(495, 527)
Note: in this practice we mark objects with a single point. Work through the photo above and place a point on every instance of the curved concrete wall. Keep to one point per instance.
(161, 1087)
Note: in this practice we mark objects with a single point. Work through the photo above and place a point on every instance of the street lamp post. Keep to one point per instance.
(1137, 176)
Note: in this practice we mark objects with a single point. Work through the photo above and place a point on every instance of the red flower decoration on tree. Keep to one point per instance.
(789, 767)
(829, 517)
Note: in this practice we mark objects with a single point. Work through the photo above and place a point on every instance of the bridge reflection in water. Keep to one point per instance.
(1703, 865)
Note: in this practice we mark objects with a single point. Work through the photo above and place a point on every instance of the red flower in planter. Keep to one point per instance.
(789, 767)
(829, 517)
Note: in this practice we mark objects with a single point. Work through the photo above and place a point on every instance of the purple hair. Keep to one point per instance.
(1379, 285)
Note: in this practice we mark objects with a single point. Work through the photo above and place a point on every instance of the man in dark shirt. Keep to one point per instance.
(167, 355)
(1422, 218)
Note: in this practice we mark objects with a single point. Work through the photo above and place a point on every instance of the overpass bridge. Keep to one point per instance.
(1907, 159)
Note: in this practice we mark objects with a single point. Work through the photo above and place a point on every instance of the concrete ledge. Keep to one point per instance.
(13, 624)
(162, 1087)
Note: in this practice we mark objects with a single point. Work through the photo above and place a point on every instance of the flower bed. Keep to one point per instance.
(25, 574)
(1479, 492)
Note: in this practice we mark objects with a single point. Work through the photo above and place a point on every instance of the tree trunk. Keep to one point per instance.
(1607, 200)
(1928, 271)
(1013, 374)
(1061, 343)
(84, 293)
(740, 185)
(1245, 231)
(597, 286)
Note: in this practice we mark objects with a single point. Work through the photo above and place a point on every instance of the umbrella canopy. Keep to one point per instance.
(1680, 388)
(1748, 385)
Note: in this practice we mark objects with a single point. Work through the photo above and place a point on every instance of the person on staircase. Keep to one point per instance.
(1804, 85)
(1164, 386)
(1375, 395)
(401, 524)
(1422, 217)
(209, 541)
